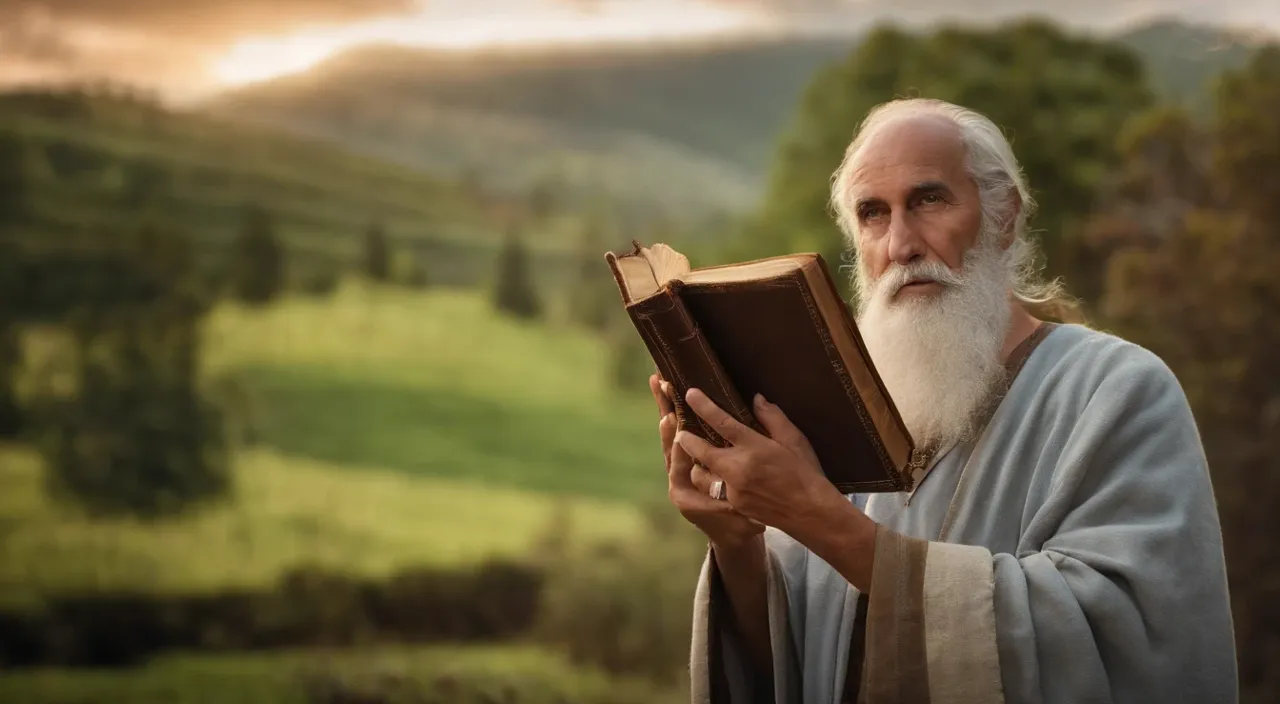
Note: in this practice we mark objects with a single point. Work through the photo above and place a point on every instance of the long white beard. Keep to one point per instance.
(939, 356)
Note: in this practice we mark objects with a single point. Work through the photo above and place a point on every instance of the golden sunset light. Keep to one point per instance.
(261, 58)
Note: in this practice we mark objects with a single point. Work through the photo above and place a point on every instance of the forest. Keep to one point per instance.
(282, 419)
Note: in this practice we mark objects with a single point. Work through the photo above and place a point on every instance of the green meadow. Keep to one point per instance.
(438, 385)
(387, 428)
(440, 675)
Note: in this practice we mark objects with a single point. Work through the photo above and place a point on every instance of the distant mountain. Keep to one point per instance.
(1184, 59)
(686, 127)
(691, 127)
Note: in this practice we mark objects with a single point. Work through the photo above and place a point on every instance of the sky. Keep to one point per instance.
(188, 48)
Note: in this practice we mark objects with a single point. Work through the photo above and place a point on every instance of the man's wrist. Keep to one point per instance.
(737, 545)
(843, 536)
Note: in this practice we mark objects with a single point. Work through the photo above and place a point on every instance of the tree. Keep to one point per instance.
(258, 269)
(377, 253)
(1163, 177)
(1061, 100)
(1203, 296)
(515, 292)
(137, 436)
(593, 298)
(16, 187)
(17, 176)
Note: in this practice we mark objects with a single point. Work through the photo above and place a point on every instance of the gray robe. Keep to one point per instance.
(1071, 554)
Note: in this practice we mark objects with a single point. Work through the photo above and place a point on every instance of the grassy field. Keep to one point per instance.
(526, 675)
(394, 428)
(288, 511)
(437, 385)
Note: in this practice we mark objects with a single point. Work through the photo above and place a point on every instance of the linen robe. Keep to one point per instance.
(1072, 553)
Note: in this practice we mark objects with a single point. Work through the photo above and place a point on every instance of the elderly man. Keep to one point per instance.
(1062, 542)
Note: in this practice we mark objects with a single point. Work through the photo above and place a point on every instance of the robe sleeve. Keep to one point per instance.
(720, 669)
(1116, 593)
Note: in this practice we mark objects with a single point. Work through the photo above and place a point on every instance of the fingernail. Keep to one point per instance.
(760, 401)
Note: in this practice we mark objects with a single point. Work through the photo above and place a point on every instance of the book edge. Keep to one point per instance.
(819, 271)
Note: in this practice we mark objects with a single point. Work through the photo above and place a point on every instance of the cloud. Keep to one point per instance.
(1085, 13)
(169, 42)
(207, 20)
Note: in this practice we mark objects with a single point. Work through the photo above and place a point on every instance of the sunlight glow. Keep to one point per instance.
(261, 58)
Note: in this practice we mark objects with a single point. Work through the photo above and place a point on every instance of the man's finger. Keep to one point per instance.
(663, 400)
(702, 478)
(680, 467)
(667, 432)
(726, 425)
(780, 428)
(701, 451)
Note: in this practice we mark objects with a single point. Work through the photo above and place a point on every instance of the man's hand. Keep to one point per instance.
(776, 480)
(688, 486)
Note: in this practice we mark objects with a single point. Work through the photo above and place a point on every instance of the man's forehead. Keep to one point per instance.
(909, 149)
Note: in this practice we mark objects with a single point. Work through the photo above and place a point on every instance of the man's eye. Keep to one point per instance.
(931, 199)
(871, 213)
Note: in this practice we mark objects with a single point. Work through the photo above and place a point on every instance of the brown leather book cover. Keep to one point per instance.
(775, 326)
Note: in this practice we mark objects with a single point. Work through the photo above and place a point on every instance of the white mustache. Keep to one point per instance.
(898, 276)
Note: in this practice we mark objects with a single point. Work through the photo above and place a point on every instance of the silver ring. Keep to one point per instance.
(718, 490)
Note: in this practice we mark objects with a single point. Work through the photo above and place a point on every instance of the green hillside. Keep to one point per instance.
(685, 127)
(96, 162)
(380, 428)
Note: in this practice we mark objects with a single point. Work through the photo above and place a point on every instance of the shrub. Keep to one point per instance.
(310, 607)
(626, 607)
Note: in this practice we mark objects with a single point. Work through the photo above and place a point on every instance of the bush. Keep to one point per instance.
(320, 282)
(310, 607)
(626, 607)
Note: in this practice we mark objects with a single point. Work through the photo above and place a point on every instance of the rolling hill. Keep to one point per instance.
(688, 127)
(98, 161)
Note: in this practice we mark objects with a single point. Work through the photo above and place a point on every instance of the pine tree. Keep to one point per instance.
(515, 292)
(593, 298)
(377, 253)
(258, 271)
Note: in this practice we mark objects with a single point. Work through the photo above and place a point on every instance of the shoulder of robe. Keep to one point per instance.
(1096, 365)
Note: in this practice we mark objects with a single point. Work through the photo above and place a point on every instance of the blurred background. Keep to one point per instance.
(315, 387)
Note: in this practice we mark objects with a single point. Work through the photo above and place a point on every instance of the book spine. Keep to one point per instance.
(685, 360)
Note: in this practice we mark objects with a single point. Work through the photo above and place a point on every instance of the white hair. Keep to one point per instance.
(991, 163)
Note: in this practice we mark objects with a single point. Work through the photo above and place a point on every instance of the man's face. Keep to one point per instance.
(934, 301)
(915, 204)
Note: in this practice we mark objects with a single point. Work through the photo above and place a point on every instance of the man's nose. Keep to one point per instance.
(905, 243)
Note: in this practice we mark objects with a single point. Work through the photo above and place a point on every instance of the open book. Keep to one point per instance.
(775, 326)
